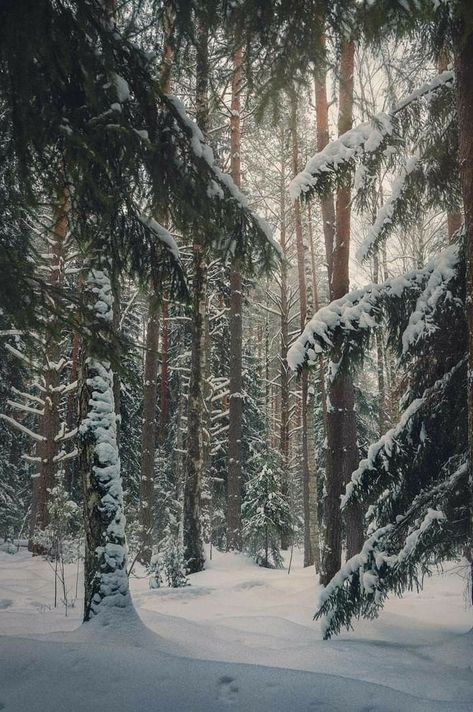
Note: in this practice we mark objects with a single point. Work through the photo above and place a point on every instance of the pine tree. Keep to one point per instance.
(266, 517)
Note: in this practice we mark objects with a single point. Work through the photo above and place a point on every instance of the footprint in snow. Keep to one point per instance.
(227, 690)
(5, 603)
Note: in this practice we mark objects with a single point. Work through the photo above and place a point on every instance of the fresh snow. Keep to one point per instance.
(240, 637)
(361, 140)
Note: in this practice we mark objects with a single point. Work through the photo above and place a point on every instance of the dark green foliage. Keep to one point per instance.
(414, 480)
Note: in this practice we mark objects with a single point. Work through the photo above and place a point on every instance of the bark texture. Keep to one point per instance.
(49, 447)
(284, 344)
(464, 84)
(234, 541)
(342, 449)
(301, 271)
(148, 432)
(193, 543)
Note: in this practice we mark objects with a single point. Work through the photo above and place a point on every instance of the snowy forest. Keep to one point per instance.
(236, 355)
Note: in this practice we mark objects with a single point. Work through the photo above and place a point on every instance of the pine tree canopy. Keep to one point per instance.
(103, 130)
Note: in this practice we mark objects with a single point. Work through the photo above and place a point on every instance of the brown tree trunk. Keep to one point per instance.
(380, 362)
(308, 554)
(342, 449)
(193, 543)
(49, 447)
(151, 365)
(148, 432)
(454, 217)
(464, 85)
(234, 541)
(164, 381)
(284, 369)
(323, 137)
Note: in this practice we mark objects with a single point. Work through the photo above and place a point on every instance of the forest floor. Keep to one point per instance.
(239, 638)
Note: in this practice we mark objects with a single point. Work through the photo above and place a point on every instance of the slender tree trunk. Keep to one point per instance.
(234, 541)
(380, 362)
(151, 365)
(342, 448)
(49, 447)
(311, 443)
(312, 478)
(164, 380)
(464, 84)
(193, 543)
(71, 408)
(308, 554)
(148, 432)
(323, 137)
(454, 217)
(284, 369)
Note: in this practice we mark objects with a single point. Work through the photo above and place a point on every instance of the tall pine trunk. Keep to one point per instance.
(342, 448)
(284, 344)
(148, 432)
(151, 366)
(234, 541)
(49, 447)
(464, 84)
(193, 543)
(308, 553)
(323, 137)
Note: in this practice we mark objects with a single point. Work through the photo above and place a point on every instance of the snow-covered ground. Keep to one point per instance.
(239, 637)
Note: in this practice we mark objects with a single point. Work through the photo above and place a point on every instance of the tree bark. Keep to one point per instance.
(308, 553)
(49, 447)
(193, 543)
(234, 541)
(342, 448)
(164, 380)
(148, 433)
(284, 344)
(323, 137)
(464, 85)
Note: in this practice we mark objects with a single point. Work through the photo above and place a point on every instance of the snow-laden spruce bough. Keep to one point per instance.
(413, 484)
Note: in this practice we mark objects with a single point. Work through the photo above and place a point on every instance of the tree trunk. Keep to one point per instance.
(49, 447)
(313, 478)
(323, 137)
(342, 448)
(148, 433)
(308, 554)
(464, 84)
(380, 362)
(71, 408)
(105, 575)
(151, 365)
(454, 217)
(193, 543)
(164, 381)
(234, 541)
(284, 369)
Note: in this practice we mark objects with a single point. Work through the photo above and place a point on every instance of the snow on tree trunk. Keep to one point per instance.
(105, 575)
(234, 540)
(464, 72)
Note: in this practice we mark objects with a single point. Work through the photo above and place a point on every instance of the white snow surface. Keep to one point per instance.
(240, 637)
